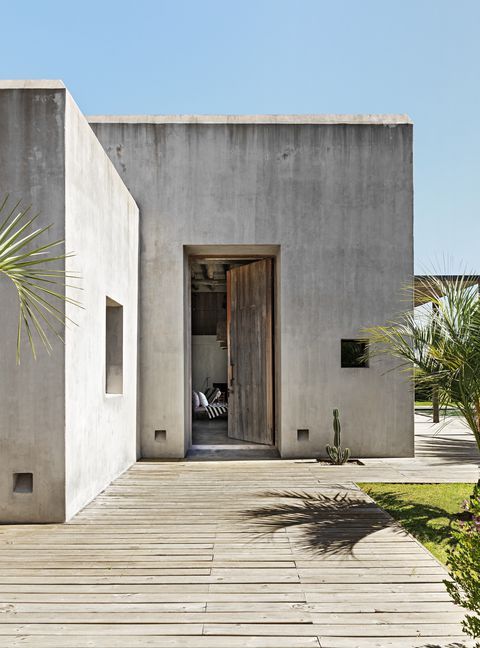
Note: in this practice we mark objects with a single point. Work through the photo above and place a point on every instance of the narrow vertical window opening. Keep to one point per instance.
(114, 347)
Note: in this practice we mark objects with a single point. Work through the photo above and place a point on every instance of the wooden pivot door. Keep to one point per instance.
(250, 352)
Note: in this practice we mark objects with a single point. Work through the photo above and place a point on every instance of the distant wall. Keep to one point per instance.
(102, 231)
(337, 200)
(208, 360)
(32, 395)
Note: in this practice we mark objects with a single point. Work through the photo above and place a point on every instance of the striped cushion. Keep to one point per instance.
(214, 397)
(212, 394)
(209, 392)
(216, 410)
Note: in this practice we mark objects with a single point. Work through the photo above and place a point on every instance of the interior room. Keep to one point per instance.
(209, 351)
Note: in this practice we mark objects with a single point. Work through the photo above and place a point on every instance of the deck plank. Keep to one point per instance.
(211, 555)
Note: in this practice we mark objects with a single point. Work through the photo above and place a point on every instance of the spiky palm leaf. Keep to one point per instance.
(30, 265)
(442, 345)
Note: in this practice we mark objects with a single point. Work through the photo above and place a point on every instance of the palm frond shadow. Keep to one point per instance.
(455, 644)
(323, 524)
(418, 519)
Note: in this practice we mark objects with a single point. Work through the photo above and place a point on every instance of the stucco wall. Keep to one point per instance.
(102, 231)
(32, 394)
(209, 360)
(55, 420)
(337, 199)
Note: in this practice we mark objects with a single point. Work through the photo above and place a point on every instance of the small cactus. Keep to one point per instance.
(337, 454)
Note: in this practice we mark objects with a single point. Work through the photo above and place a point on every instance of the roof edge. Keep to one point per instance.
(367, 119)
(31, 84)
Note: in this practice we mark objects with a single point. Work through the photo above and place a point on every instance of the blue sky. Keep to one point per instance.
(282, 56)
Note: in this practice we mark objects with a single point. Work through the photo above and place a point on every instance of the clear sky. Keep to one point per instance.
(421, 57)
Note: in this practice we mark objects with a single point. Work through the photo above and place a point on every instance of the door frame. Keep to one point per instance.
(231, 252)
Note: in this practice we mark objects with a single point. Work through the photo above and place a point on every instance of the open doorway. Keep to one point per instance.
(232, 352)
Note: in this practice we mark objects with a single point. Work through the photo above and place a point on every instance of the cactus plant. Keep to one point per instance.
(337, 454)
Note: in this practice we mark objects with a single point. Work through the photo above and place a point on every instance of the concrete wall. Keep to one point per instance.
(209, 360)
(102, 230)
(332, 201)
(55, 418)
(32, 395)
(336, 196)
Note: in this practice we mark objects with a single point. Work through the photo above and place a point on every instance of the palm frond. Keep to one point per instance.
(25, 259)
(442, 344)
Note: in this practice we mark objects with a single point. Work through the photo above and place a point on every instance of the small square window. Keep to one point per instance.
(354, 354)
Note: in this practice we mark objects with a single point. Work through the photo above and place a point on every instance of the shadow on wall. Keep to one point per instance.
(328, 525)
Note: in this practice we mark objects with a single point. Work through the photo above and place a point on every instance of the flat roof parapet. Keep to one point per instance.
(31, 84)
(359, 119)
(381, 120)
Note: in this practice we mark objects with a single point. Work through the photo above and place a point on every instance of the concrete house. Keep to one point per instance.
(241, 257)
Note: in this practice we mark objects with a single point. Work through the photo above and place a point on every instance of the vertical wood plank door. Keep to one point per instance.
(250, 352)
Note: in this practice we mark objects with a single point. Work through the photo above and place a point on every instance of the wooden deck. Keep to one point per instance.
(223, 555)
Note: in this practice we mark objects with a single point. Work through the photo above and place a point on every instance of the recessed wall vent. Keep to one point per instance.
(160, 435)
(302, 435)
(23, 482)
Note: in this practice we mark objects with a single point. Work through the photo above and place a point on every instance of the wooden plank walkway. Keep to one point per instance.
(236, 554)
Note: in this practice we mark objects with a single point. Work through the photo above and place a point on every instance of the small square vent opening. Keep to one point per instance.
(302, 435)
(23, 482)
(160, 435)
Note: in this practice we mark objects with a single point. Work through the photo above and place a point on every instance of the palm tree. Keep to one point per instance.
(442, 345)
(30, 265)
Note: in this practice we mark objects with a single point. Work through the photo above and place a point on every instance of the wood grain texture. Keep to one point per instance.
(223, 555)
(250, 352)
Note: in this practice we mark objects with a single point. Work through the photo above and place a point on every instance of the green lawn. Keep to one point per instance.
(425, 510)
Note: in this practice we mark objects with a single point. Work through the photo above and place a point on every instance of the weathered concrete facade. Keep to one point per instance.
(101, 227)
(32, 395)
(55, 419)
(329, 197)
(333, 197)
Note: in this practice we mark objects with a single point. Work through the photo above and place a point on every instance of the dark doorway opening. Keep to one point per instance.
(232, 358)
